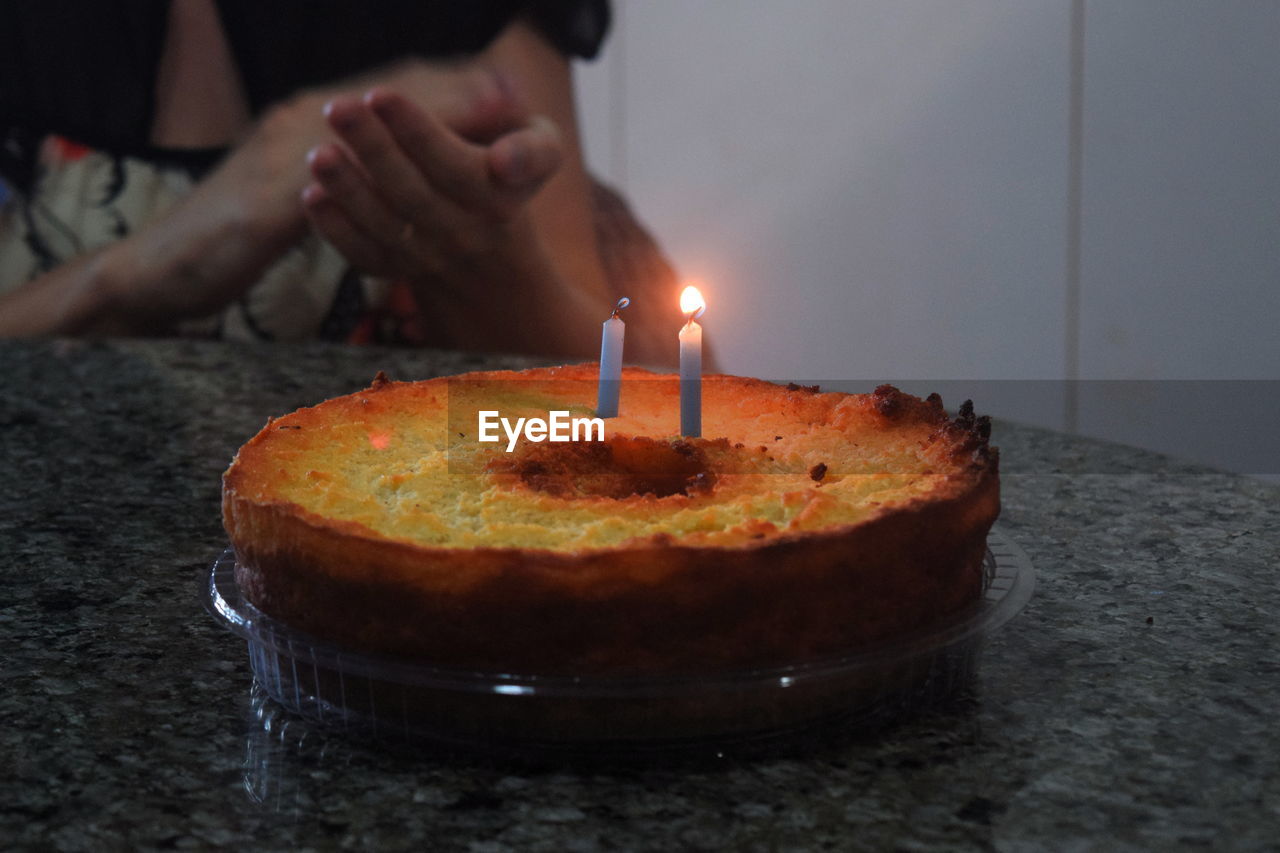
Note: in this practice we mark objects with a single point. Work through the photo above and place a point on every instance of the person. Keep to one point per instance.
(405, 172)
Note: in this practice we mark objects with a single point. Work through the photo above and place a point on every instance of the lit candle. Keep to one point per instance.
(611, 362)
(692, 306)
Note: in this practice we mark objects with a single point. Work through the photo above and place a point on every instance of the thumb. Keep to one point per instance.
(522, 161)
(478, 105)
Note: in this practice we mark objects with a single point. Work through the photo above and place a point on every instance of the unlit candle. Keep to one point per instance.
(611, 362)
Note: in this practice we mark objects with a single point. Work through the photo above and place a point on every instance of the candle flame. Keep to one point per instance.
(691, 303)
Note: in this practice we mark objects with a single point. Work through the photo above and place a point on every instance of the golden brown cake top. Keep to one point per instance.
(402, 461)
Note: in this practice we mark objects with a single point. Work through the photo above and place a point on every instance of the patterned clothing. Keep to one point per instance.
(82, 199)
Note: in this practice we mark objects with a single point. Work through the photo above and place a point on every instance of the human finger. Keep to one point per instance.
(479, 104)
(392, 175)
(344, 183)
(331, 221)
(455, 167)
(522, 161)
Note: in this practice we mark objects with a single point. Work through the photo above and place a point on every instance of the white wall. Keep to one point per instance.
(898, 189)
(1180, 225)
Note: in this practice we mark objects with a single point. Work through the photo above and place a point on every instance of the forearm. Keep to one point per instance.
(141, 285)
(112, 291)
(188, 262)
(200, 256)
(71, 300)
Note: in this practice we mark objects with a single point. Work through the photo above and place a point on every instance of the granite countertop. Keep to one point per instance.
(1131, 705)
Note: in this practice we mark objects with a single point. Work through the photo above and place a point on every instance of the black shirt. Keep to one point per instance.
(86, 69)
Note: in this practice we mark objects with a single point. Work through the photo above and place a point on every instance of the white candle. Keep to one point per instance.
(692, 305)
(611, 362)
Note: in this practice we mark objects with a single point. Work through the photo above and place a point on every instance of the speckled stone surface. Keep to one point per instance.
(1131, 705)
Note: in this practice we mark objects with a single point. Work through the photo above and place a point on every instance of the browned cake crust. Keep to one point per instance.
(765, 594)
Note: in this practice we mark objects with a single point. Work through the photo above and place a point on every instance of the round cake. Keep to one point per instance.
(803, 525)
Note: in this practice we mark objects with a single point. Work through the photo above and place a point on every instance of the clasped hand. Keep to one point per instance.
(403, 194)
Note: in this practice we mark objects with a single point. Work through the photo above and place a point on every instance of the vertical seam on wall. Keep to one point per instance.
(618, 100)
(1075, 175)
